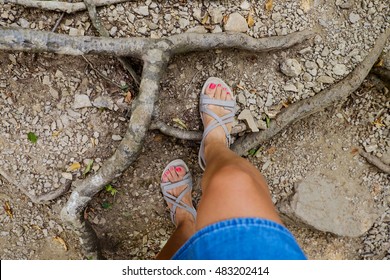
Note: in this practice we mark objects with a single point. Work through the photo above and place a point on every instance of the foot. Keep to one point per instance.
(217, 135)
(173, 175)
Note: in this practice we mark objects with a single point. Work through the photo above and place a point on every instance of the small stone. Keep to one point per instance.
(290, 87)
(103, 102)
(236, 23)
(325, 80)
(142, 10)
(216, 15)
(241, 98)
(371, 148)
(339, 69)
(75, 32)
(183, 22)
(162, 231)
(81, 101)
(270, 100)
(54, 93)
(307, 77)
(46, 80)
(290, 67)
(197, 29)
(24, 23)
(245, 5)
(67, 176)
(246, 115)
(116, 137)
(353, 18)
(217, 29)
(325, 52)
(276, 17)
(113, 31)
(261, 124)
(345, 4)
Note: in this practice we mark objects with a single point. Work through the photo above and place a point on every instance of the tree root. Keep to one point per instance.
(320, 101)
(194, 135)
(375, 161)
(40, 41)
(44, 198)
(104, 33)
(58, 6)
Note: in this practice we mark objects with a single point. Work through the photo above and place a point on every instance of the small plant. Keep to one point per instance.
(106, 205)
(32, 137)
(110, 189)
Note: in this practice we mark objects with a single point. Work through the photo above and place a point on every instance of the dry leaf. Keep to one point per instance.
(56, 133)
(61, 241)
(36, 227)
(205, 19)
(271, 150)
(379, 63)
(158, 138)
(250, 20)
(306, 5)
(268, 5)
(74, 166)
(8, 209)
(180, 123)
(128, 97)
(378, 122)
(354, 150)
(225, 19)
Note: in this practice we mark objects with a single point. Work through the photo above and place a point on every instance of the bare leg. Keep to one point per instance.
(185, 223)
(231, 186)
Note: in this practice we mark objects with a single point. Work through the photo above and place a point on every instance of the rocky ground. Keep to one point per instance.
(78, 109)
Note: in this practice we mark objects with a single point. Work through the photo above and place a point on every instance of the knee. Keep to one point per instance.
(231, 175)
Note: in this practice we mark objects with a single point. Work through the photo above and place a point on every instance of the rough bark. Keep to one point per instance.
(375, 161)
(41, 41)
(320, 101)
(58, 6)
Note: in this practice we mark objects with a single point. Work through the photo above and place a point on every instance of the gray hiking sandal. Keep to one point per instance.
(176, 201)
(229, 105)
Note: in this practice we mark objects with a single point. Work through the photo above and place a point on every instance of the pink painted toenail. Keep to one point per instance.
(224, 88)
(178, 169)
(219, 85)
(212, 86)
(228, 93)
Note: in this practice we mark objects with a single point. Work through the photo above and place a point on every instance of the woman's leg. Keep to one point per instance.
(185, 223)
(231, 186)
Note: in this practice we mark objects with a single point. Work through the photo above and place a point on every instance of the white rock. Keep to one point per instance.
(246, 115)
(290, 67)
(142, 10)
(81, 101)
(76, 32)
(116, 137)
(67, 176)
(339, 69)
(290, 87)
(217, 29)
(24, 23)
(245, 5)
(371, 148)
(183, 22)
(353, 18)
(54, 93)
(236, 23)
(103, 102)
(325, 80)
(216, 15)
(261, 124)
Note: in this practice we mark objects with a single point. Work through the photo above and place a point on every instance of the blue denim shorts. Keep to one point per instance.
(241, 239)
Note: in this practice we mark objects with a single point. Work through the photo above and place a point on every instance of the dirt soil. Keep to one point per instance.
(134, 223)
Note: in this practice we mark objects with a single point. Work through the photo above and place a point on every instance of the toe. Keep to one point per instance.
(223, 93)
(164, 178)
(175, 176)
(181, 171)
(229, 95)
(210, 89)
(218, 92)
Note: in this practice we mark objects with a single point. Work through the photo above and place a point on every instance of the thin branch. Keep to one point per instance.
(58, 22)
(194, 135)
(101, 74)
(96, 22)
(34, 198)
(127, 151)
(59, 6)
(307, 107)
(375, 161)
(41, 41)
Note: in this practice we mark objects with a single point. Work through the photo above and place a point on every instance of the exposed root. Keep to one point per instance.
(40, 41)
(58, 6)
(375, 161)
(320, 101)
(194, 135)
(34, 198)
(104, 33)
